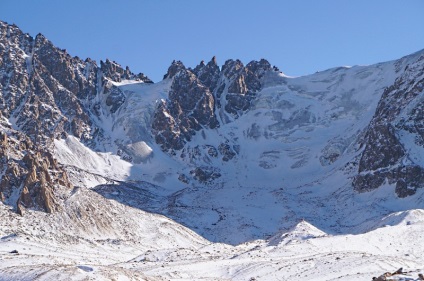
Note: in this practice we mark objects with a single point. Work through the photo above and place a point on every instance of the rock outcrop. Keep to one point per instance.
(189, 108)
(241, 84)
(385, 157)
(208, 74)
(31, 176)
(114, 71)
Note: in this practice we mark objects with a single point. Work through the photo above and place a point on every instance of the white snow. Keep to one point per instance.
(302, 253)
(71, 152)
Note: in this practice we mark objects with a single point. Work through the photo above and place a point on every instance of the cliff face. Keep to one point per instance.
(389, 155)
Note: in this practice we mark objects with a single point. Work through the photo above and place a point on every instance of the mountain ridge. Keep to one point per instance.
(212, 165)
(84, 96)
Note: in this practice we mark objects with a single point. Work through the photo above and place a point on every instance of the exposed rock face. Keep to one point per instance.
(36, 190)
(205, 175)
(46, 84)
(114, 96)
(383, 148)
(208, 74)
(196, 94)
(13, 77)
(243, 83)
(168, 132)
(190, 107)
(175, 67)
(30, 176)
(195, 97)
(227, 152)
(385, 157)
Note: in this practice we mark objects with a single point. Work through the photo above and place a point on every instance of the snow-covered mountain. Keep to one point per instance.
(253, 170)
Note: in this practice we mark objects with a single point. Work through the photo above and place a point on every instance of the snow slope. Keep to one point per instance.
(303, 253)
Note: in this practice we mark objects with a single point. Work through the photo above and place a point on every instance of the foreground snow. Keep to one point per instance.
(153, 248)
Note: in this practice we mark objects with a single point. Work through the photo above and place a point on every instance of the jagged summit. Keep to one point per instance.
(196, 98)
(174, 68)
(116, 73)
(208, 74)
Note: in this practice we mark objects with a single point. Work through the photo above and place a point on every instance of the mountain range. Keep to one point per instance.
(234, 167)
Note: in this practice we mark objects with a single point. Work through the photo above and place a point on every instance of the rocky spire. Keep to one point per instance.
(208, 74)
(174, 68)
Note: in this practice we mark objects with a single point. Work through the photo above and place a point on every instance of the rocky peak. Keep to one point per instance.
(173, 69)
(242, 83)
(117, 73)
(201, 65)
(208, 74)
(113, 70)
(259, 66)
(231, 68)
(49, 92)
(16, 37)
(255, 70)
(190, 107)
(13, 67)
(58, 63)
(41, 40)
(245, 79)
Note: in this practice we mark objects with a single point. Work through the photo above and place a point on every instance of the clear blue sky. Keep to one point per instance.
(298, 36)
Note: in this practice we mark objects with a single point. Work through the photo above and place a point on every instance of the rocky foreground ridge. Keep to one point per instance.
(46, 94)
